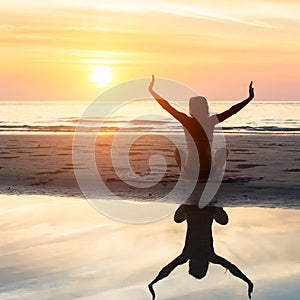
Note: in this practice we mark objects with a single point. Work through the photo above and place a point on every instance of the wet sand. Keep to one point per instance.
(62, 248)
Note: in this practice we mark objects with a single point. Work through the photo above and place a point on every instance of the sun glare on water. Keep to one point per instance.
(101, 75)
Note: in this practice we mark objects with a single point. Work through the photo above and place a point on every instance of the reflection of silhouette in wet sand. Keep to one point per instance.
(198, 249)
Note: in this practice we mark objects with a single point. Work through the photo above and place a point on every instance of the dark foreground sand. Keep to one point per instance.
(42, 164)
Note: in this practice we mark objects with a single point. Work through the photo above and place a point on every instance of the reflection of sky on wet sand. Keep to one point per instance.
(63, 249)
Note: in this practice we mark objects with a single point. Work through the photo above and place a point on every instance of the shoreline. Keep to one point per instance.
(43, 133)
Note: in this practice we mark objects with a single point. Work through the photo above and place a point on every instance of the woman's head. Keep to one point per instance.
(198, 107)
(198, 267)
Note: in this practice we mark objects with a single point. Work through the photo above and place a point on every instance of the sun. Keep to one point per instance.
(101, 75)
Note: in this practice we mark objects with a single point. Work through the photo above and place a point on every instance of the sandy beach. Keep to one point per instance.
(42, 164)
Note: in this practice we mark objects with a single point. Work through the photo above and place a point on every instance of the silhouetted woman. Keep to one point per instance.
(198, 128)
(198, 249)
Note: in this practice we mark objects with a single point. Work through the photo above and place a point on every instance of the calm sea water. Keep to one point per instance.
(142, 116)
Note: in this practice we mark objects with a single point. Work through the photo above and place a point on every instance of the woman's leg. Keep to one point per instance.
(219, 159)
(234, 270)
(179, 157)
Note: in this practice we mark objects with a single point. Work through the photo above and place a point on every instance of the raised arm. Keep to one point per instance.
(165, 271)
(237, 107)
(165, 104)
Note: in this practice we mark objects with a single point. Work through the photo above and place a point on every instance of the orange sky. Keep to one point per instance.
(49, 48)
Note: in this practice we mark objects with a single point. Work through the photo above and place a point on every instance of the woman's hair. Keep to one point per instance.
(198, 107)
(221, 216)
(198, 267)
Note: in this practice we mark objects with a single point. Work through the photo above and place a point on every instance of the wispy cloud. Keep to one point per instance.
(58, 28)
(206, 14)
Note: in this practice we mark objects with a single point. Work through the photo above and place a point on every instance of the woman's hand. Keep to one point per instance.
(251, 91)
(150, 87)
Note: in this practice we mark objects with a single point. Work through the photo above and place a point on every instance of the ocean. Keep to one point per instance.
(142, 116)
